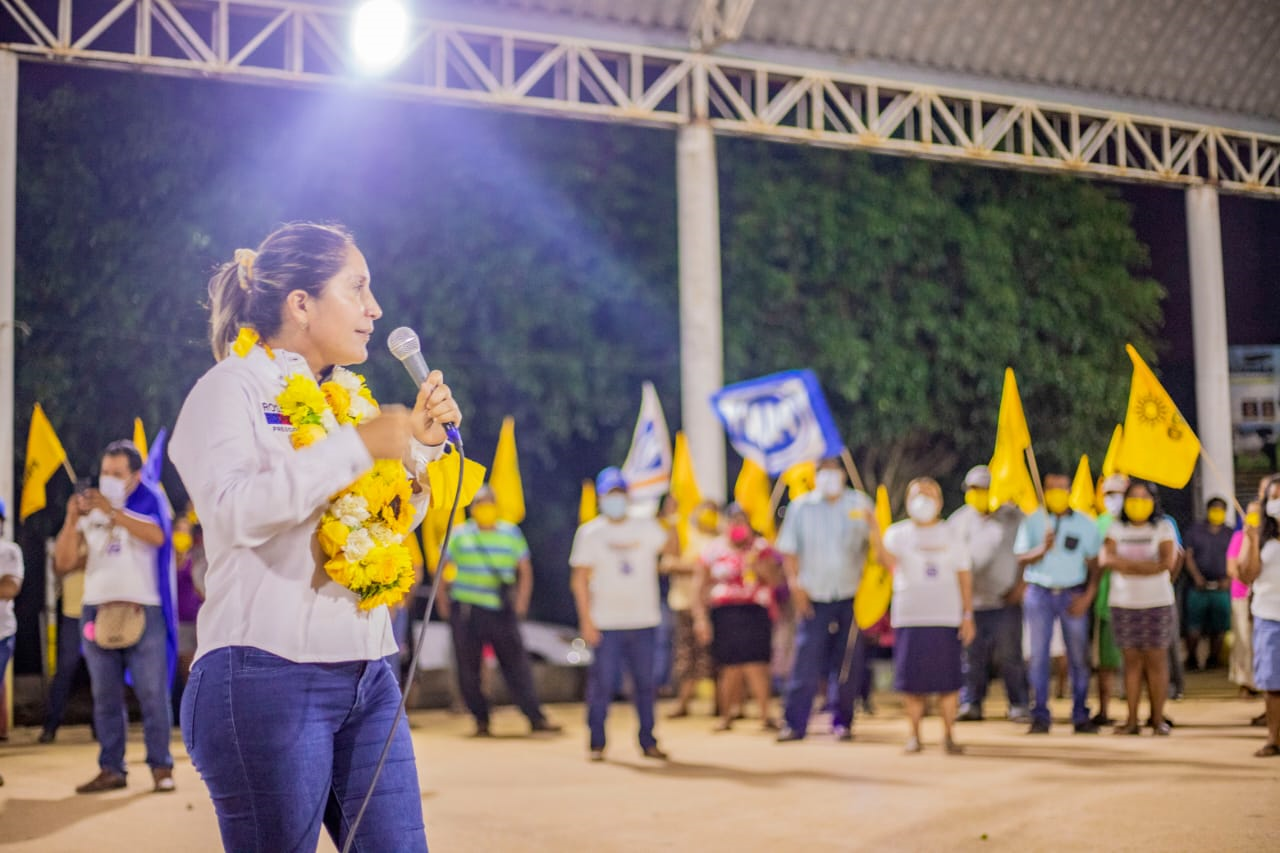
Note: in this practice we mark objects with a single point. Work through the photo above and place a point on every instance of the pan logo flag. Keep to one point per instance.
(779, 420)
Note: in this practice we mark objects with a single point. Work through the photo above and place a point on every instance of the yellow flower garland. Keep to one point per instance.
(362, 530)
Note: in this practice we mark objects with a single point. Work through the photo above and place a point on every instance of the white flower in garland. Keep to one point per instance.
(352, 510)
(358, 546)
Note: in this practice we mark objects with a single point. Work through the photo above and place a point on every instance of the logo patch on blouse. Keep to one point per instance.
(276, 419)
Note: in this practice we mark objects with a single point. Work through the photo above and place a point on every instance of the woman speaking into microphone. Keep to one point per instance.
(305, 490)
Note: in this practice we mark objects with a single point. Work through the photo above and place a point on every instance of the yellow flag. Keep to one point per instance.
(140, 438)
(504, 477)
(587, 503)
(44, 456)
(1083, 497)
(1158, 444)
(443, 478)
(800, 479)
(1010, 479)
(876, 587)
(752, 493)
(684, 486)
(1113, 452)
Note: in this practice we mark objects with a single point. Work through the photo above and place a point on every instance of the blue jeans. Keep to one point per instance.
(663, 658)
(1044, 607)
(285, 747)
(64, 678)
(619, 651)
(148, 665)
(6, 652)
(997, 639)
(821, 642)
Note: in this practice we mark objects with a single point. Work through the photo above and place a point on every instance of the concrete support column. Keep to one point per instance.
(701, 312)
(1209, 332)
(8, 241)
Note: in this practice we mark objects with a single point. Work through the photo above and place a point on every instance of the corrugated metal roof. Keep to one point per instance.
(1220, 55)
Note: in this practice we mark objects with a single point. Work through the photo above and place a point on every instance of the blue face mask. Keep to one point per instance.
(614, 506)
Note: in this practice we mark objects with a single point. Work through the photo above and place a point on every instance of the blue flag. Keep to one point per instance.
(778, 420)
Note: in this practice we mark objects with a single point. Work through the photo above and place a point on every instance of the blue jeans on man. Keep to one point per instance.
(1043, 607)
(286, 748)
(148, 665)
(630, 651)
(821, 643)
(997, 640)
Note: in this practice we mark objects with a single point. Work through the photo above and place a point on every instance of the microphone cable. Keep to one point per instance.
(417, 651)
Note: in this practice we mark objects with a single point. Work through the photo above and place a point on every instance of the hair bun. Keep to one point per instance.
(244, 260)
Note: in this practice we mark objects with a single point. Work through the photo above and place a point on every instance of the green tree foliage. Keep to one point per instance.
(909, 286)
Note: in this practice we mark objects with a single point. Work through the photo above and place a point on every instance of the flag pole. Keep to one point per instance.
(854, 477)
(1035, 473)
(66, 466)
(1217, 472)
(775, 497)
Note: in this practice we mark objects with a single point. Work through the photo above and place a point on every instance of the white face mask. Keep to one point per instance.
(614, 506)
(830, 482)
(1114, 503)
(113, 489)
(922, 509)
(1273, 508)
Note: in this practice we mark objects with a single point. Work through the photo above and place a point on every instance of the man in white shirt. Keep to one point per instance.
(117, 534)
(615, 587)
(11, 572)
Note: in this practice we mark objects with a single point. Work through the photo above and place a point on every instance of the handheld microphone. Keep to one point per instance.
(405, 346)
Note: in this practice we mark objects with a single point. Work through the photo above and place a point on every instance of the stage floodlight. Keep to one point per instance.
(379, 32)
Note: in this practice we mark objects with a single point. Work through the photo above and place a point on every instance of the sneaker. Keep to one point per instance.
(596, 755)
(481, 731)
(1086, 728)
(47, 736)
(654, 753)
(546, 727)
(788, 735)
(104, 781)
(913, 746)
(1018, 714)
(1038, 727)
(1151, 722)
(1163, 730)
(163, 778)
(843, 734)
(970, 715)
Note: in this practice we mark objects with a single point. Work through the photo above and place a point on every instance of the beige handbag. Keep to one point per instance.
(118, 624)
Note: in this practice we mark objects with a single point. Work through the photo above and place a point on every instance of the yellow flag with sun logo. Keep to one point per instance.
(1158, 444)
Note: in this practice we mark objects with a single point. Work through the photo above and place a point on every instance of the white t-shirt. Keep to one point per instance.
(259, 500)
(623, 559)
(11, 565)
(926, 590)
(1266, 589)
(1140, 542)
(119, 566)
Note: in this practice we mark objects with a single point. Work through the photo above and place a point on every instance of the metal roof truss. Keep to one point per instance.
(297, 43)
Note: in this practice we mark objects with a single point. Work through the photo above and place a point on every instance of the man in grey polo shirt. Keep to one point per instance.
(997, 599)
(824, 542)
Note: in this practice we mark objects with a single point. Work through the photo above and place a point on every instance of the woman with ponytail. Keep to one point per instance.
(304, 489)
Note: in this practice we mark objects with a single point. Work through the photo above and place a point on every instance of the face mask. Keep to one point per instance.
(1114, 503)
(1217, 515)
(1253, 520)
(485, 515)
(1273, 508)
(830, 482)
(614, 506)
(1139, 509)
(709, 520)
(979, 499)
(181, 541)
(1057, 501)
(740, 534)
(113, 489)
(922, 509)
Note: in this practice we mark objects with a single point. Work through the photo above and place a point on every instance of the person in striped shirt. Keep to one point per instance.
(489, 578)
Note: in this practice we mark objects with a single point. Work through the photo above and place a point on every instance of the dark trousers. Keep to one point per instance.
(623, 651)
(69, 658)
(821, 642)
(473, 627)
(998, 640)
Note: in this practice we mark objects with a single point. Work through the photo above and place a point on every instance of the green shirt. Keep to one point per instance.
(486, 562)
